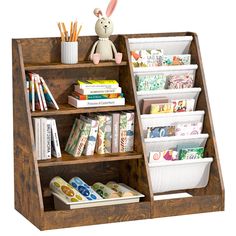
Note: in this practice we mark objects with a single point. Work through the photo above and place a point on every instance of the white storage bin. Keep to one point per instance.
(168, 119)
(166, 143)
(170, 45)
(187, 93)
(180, 175)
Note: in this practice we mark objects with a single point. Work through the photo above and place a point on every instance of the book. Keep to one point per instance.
(191, 153)
(129, 132)
(115, 132)
(37, 139)
(28, 91)
(30, 77)
(107, 84)
(161, 131)
(180, 81)
(55, 143)
(38, 99)
(123, 132)
(91, 91)
(146, 104)
(51, 102)
(176, 60)
(103, 144)
(42, 94)
(95, 103)
(147, 57)
(49, 138)
(161, 108)
(97, 96)
(43, 136)
(92, 137)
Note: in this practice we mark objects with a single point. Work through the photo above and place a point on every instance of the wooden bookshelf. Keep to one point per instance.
(32, 177)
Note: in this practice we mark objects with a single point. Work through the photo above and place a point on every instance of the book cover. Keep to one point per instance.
(51, 102)
(91, 91)
(161, 108)
(97, 96)
(38, 100)
(115, 132)
(95, 103)
(180, 81)
(123, 132)
(147, 58)
(98, 84)
(162, 131)
(55, 143)
(146, 104)
(176, 60)
(150, 82)
(92, 137)
(32, 91)
(104, 134)
(37, 139)
(129, 132)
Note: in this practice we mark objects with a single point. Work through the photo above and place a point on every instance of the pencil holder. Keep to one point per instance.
(69, 52)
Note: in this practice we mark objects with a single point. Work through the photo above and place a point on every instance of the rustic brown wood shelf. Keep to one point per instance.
(67, 159)
(66, 109)
(32, 177)
(82, 64)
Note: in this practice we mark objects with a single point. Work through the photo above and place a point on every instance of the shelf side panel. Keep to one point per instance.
(28, 200)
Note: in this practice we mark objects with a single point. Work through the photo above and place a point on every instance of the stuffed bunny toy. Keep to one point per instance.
(104, 49)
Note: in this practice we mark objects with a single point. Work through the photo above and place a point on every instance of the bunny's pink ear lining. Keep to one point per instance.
(111, 7)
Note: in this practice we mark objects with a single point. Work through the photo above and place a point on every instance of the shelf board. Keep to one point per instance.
(66, 109)
(68, 159)
(59, 66)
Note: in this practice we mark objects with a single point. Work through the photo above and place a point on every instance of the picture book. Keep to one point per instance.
(191, 128)
(146, 103)
(162, 131)
(115, 132)
(180, 81)
(38, 99)
(123, 133)
(176, 60)
(191, 153)
(161, 108)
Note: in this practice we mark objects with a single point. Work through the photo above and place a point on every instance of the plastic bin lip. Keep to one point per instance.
(181, 162)
(175, 138)
(161, 39)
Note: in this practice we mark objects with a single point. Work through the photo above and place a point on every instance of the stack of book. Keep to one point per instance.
(96, 93)
(102, 133)
(46, 138)
(39, 95)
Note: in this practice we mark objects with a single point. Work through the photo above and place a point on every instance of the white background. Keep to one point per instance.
(214, 21)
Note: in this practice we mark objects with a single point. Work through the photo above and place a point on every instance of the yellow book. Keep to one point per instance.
(161, 108)
(98, 84)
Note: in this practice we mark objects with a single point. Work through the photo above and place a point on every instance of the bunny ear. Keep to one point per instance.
(97, 12)
(111, 7)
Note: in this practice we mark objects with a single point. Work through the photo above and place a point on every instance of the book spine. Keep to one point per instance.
(100, 145)
(82, 138)
(92, 91)
(48, 95)
(95, 103)
(123, 132)
(38, 102)
(49, 138)
(91, 142)
(115, 132)
(37, 137)
(42, 95)
(96, 96)
(43, 136)
(55, 144)
(28, 91)
(32, 92)
(105, 84)
(129, 132)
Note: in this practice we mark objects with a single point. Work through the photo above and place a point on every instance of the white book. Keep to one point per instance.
(48, 147)
(51, 102)
(32, 92)
(91, 91)
(55, 143)
(43, 136)
(42, 95)
(98, 84)
(37, 138)
(95, 103)
(92, 137)
(115, 132)
(38, 101)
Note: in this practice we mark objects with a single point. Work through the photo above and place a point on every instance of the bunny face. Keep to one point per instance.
(104, 27)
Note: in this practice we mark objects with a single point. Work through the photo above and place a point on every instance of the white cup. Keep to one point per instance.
(69, 52)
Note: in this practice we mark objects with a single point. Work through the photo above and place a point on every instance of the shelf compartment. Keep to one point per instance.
(166, 143)
(179, 175)
(66, 109)
(59, 66)
(170, 45)
(187, 93)
(68, 159)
